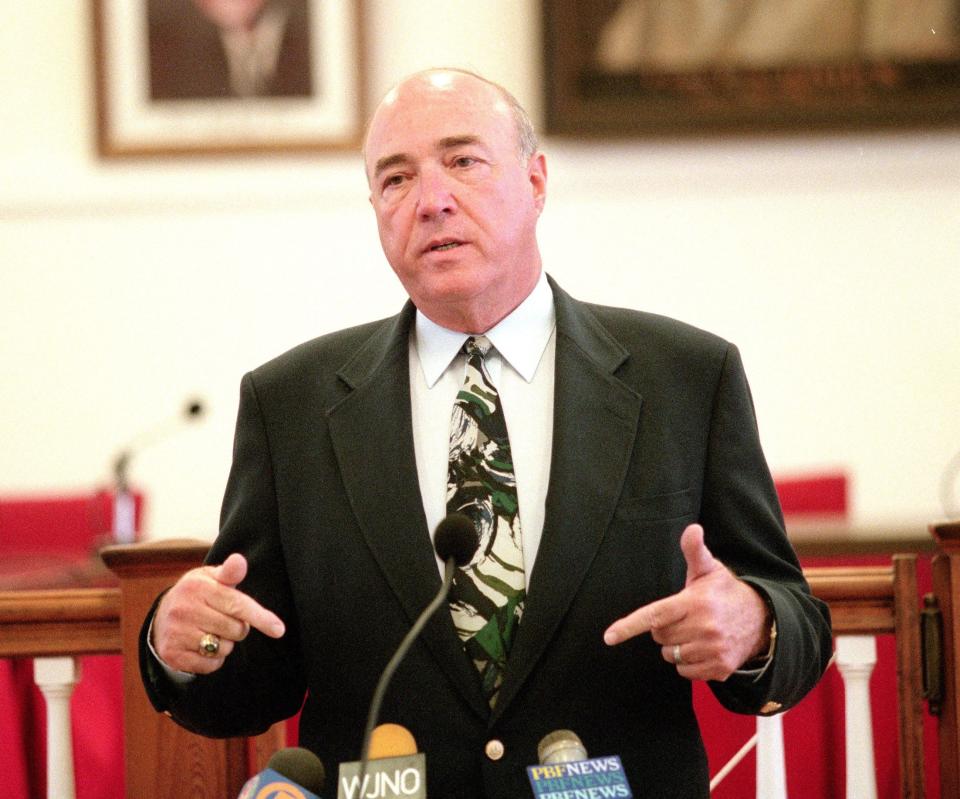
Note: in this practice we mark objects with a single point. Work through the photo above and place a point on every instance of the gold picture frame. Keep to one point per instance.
(621, 68)
(183, 77)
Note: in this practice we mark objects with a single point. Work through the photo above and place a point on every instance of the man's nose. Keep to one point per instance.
(436, 196)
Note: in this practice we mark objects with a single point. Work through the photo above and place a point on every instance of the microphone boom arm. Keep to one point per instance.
(381, 689)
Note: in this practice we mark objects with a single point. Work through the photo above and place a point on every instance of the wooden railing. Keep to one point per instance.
(53, 627)
(865, 602)
(56, 624)
(59, 622)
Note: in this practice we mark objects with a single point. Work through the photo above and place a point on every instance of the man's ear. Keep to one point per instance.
(537, 175)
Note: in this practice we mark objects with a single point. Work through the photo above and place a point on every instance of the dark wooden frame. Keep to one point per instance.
(583, 101)
(263, 130)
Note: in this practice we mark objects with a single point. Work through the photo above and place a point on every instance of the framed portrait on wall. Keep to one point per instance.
(635, 67)
(227, 76)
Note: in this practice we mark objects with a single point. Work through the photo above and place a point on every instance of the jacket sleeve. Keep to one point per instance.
(262, 680)
(744, 529)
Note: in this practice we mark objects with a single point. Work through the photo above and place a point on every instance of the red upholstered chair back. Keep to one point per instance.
(67, 524)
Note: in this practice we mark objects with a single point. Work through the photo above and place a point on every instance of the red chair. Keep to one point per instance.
(51, 541)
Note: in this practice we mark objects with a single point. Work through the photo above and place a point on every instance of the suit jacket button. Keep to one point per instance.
(770, 707)
(494, 749)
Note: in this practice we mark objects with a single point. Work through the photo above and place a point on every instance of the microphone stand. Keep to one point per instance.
(124, 527)
(124, 505)
(448, 569)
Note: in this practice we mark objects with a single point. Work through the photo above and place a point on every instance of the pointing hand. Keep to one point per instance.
(206, 601)
(715, 624)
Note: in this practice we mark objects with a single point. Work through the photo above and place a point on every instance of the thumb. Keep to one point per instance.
(695, 553)
(231, 571)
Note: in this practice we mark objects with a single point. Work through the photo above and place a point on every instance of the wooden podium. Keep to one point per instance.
(163, 760)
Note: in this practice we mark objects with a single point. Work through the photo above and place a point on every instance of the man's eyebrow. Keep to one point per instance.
(390, 160)
(449, 142)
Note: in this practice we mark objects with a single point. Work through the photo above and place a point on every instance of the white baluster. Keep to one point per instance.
(856, 657)
(56, 678)
(771, 765)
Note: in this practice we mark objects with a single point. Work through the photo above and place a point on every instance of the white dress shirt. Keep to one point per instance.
(521, 366)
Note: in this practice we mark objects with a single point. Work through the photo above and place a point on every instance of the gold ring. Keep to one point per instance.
(209, 645)
(677, 660)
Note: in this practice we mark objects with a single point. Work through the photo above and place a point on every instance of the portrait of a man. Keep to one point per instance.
(206, 49)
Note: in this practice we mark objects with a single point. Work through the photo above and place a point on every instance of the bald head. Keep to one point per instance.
(452, 79)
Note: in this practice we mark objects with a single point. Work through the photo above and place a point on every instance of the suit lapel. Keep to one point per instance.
(594, 429)
(381, 481)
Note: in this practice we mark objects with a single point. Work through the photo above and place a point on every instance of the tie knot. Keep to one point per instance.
(477, 345)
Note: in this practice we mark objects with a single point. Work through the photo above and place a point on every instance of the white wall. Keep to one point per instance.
(125, 287)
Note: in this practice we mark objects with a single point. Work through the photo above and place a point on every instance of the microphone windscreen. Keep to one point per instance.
(456, 537)
(561, 746)
(301, 766)
(194, 408)
(391, 740)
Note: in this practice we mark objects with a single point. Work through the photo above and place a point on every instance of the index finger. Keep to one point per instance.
(238, 605)
(660, 613)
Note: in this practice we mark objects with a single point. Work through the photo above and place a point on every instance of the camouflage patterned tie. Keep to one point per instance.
(487, 596)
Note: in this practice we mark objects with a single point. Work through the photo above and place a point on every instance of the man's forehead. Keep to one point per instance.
(461, 97)
(436, 112)
(442, 85)
(451, 92)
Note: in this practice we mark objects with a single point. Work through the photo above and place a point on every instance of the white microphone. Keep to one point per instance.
(560, 746)
(564, 767)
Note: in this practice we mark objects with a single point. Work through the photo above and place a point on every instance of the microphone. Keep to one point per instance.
(124, 510)
(192, 410)
(456, 538)
(392, 740)
(292, 772)
(564, 766)
(561, 746)
(456, 542)
(395, 768)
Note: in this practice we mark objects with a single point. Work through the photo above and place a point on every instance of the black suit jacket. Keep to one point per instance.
(653, 430)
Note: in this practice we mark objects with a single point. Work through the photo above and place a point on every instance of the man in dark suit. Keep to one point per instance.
(208, 49)
(653, 551)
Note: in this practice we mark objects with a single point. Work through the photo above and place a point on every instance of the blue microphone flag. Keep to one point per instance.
(270, 784)
(597, 778)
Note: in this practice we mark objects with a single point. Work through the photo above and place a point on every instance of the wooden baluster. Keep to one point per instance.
(909, 678)
(56, 678)
(946, 586)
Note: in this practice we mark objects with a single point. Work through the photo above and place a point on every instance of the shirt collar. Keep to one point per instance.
(521, 337)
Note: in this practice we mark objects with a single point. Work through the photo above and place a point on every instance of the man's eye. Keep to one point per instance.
(392, 180)
(464, 160)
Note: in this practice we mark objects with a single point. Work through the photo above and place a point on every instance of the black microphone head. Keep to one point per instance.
(301, 766)
(456, 537)
(194, 408)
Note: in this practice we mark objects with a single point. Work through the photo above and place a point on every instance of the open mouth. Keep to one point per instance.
(444, 246)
